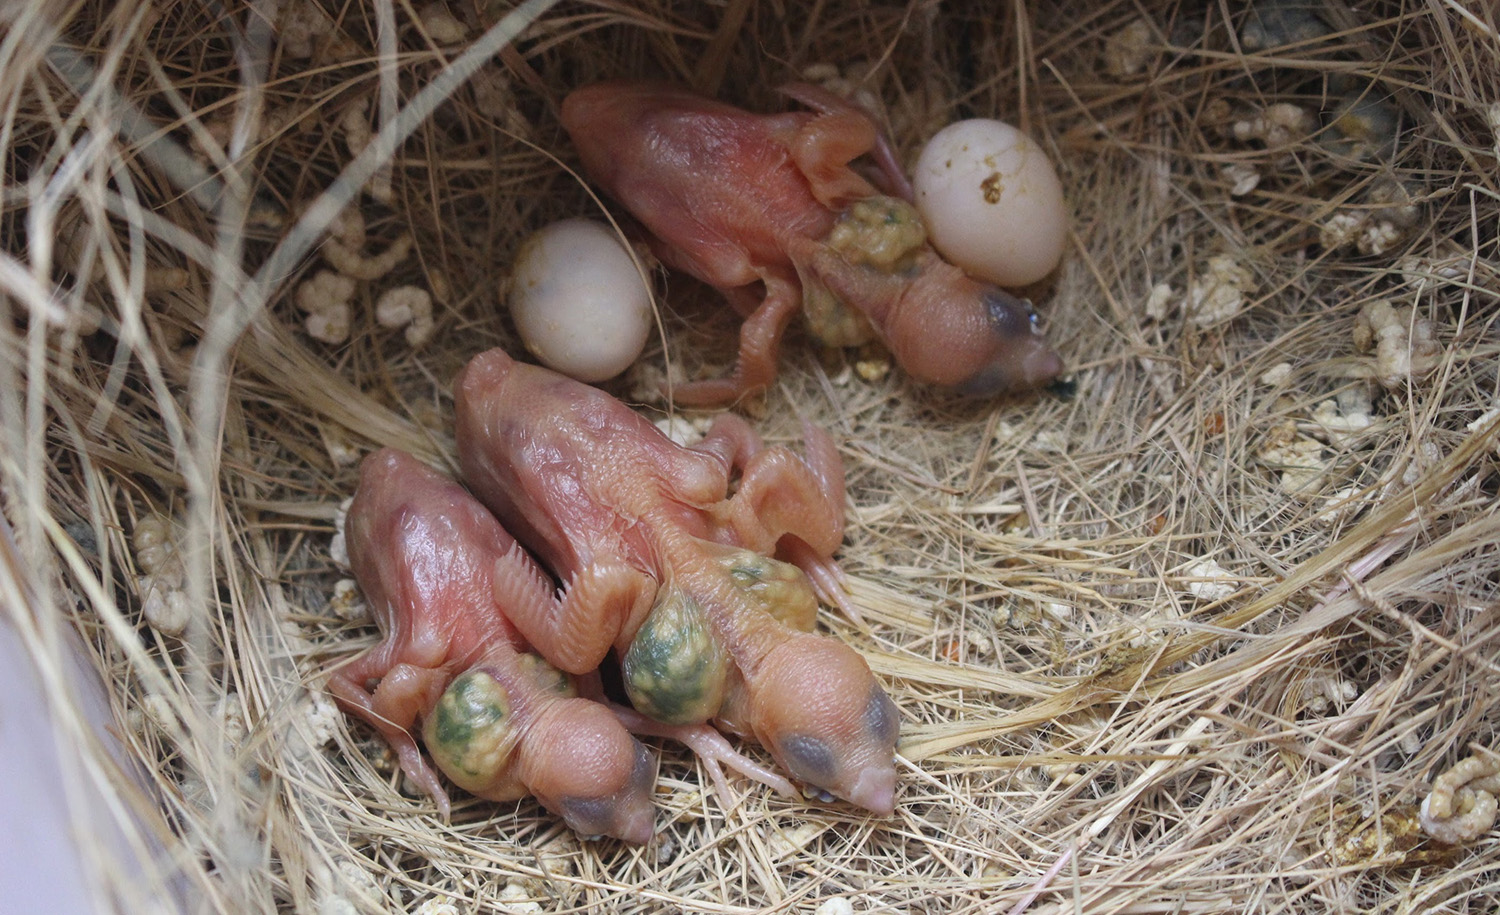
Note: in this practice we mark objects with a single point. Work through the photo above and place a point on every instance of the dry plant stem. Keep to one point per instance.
(304, 234)
(26, 421)
(385, 31)
(1033, 513)
(136, 129)
(208, 388)
(716, 56)
(233, 307)
(225, 323)
(1045, 880)
(233, 304)
(919, 744)
(1417, 629)
(1358, 570)
(277, 355)
(1192, 738)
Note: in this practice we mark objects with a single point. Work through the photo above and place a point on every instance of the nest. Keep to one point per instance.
(1202, 636)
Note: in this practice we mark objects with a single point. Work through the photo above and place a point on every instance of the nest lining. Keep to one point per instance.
(1195, 636)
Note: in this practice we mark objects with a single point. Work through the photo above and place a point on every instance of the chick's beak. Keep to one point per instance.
(638, 825)
(875, 789)
(1024, 365)
(1041, 366)
(635, 820)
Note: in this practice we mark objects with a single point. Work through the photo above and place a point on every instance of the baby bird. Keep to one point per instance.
(439, 574)
(766, 209)
(660, 563)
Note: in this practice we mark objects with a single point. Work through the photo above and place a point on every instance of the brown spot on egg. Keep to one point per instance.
(992, 188)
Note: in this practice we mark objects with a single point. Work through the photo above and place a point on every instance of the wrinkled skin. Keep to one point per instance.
(439, 572)
(749, 202)
(631, 522)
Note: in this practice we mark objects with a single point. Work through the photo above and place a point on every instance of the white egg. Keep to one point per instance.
(579, 300)
(992, 202)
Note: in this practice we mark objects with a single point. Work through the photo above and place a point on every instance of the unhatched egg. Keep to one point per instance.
(579, 300)
(992, 202)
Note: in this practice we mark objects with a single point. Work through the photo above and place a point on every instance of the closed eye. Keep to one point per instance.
(810, 759)
(1010, 316)
(882, 721)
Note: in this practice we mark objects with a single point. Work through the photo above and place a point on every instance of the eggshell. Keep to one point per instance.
(992, 202)
(579, 300)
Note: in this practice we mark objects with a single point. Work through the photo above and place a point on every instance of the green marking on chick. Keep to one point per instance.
(884, 233)
(675, 670)
(778, 587)
(468, 732)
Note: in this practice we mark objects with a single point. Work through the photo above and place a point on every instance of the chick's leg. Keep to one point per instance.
(760, 342)
(823, 150)
(405, 692)
(795, 507)
(848, 141)
(708, 744)
(732, 441)
(781, 493)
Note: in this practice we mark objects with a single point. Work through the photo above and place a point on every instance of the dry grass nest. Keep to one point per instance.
(1203, 636)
